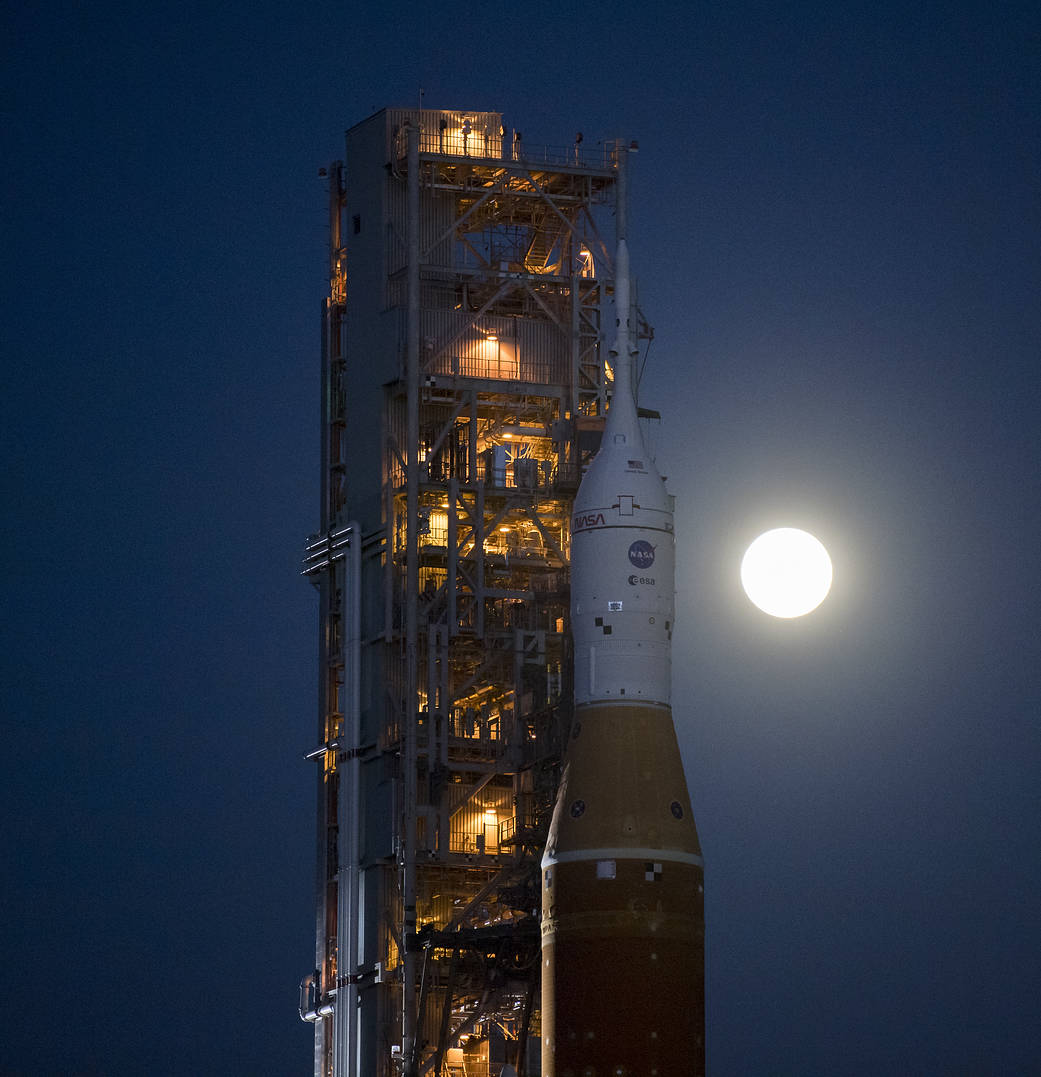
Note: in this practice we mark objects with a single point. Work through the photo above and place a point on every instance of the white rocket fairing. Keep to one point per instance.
(622, 551)
(622, 874)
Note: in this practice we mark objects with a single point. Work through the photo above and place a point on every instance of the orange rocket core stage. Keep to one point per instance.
(623, 904)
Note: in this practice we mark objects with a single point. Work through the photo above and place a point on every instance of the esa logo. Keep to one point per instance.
(636, 580)
(641, 554)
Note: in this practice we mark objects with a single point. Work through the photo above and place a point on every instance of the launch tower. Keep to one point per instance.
(464, 387)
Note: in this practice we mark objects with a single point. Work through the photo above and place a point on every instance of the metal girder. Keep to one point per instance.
(548, 199)
(439, 349)
(455, 226)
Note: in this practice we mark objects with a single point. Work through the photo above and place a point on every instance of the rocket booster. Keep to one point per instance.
(622, 876)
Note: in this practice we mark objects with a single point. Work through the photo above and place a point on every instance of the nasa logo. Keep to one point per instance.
(641, 554)
(587, 519)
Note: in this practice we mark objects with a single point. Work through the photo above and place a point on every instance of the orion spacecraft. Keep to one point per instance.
(622, 876)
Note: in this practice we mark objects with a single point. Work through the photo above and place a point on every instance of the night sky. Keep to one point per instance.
(836, 226)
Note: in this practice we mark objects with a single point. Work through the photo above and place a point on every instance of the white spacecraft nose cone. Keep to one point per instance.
(622, 880)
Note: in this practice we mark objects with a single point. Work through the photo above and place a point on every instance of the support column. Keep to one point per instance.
(409, 727)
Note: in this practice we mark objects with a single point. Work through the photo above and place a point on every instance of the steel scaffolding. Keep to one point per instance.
(463, 388)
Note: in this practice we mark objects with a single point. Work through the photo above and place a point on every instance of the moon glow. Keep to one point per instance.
(786, 572)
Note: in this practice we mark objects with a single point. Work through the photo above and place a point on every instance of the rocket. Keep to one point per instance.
(623, 953)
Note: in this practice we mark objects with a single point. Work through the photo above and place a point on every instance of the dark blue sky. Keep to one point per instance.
(836, 224)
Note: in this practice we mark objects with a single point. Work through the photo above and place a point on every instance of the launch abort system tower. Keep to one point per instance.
(464, 386)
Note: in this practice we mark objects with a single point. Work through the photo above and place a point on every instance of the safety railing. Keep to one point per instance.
(481, 145)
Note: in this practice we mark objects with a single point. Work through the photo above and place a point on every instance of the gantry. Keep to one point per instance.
(463, 388)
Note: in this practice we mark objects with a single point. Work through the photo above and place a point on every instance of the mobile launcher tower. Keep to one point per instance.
(465, 385)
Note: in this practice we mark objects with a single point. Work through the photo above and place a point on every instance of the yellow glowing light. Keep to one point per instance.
(786, 572)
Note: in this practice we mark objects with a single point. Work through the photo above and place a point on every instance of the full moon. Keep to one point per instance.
(786, 572)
